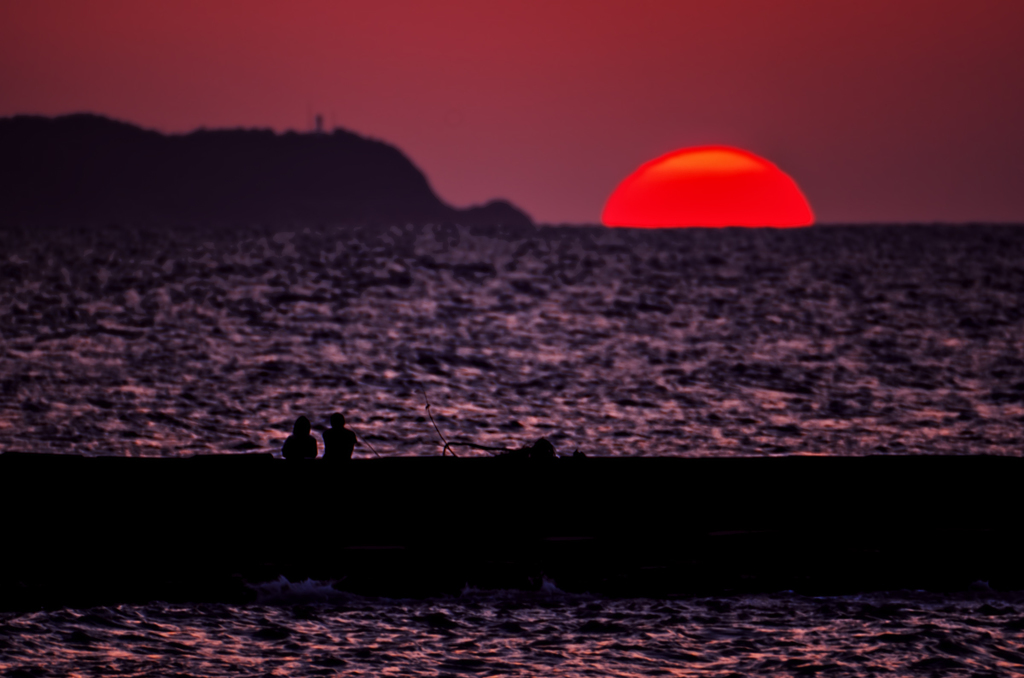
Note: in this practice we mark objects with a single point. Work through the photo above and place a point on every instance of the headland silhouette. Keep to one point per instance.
(86, 168)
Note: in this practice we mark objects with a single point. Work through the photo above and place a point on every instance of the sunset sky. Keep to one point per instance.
(881, 111)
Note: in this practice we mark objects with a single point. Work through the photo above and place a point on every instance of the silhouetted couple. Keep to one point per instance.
(338, 441)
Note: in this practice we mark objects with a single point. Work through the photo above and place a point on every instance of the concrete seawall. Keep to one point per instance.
(82, 531)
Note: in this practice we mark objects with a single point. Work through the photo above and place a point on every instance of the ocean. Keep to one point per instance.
(296, 633)
(860, 340)
(837, 341)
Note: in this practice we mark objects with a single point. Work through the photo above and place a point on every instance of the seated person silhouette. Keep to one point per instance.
(300, 445)
(540, 450)
(338, 440)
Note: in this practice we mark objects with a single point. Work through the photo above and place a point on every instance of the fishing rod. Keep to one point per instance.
(466, 443)
(447, 445)
(450, 445)
(363, 440)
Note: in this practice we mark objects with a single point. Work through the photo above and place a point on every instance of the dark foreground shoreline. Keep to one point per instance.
(103, 530)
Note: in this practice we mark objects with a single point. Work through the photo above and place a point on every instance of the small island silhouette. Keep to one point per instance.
(86, 168)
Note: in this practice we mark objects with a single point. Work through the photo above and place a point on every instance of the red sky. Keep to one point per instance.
(881, 110)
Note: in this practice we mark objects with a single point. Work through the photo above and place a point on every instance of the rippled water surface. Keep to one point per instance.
(841, 341)
(527, 635)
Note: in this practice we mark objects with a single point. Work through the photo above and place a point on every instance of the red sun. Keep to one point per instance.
(707, 186)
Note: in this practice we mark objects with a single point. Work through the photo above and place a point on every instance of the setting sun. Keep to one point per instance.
(707, 186)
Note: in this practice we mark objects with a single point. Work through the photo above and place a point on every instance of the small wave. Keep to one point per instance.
(308, 592)
(547, 589)
(548, 586)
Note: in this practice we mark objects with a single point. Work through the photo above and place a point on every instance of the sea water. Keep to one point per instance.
(521, 634)
(841, 341)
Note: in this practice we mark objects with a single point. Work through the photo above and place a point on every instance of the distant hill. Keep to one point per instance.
(87, 168)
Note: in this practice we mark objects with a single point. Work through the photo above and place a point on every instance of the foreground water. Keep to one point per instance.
(843, 341)
(308, 630)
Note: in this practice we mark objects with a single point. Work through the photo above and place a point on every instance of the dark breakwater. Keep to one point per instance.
(84, 531)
